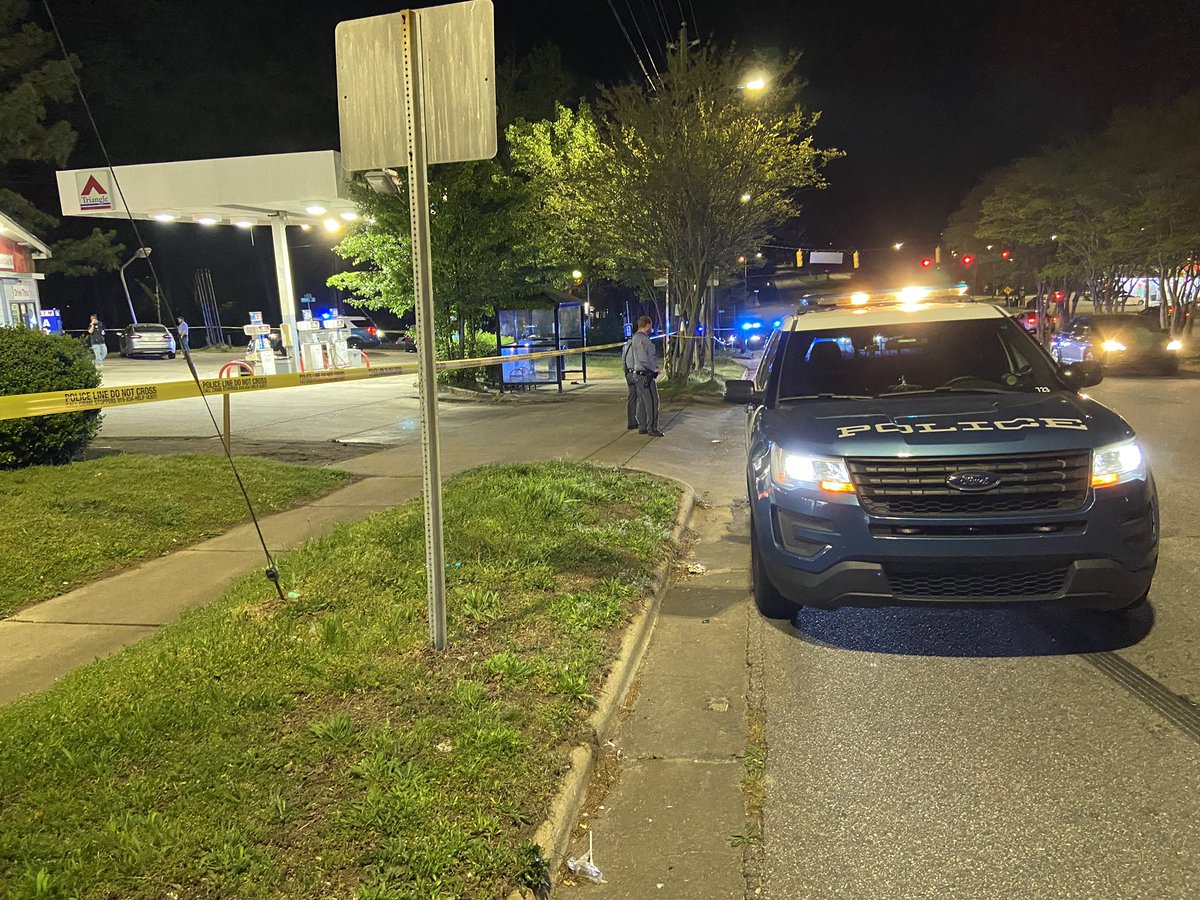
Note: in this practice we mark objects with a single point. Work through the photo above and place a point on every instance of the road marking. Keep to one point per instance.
(1177, 710)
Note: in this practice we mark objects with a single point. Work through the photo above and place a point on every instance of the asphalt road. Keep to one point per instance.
(998, 754)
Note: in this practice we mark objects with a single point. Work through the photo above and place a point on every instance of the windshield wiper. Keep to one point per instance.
(826, 397)
(947, 390)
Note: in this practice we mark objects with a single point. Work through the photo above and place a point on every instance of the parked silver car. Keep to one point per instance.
(147, 339)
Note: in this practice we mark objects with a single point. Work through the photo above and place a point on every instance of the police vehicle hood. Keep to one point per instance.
(938, 424)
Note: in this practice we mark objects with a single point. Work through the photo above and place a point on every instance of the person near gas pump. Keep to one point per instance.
(641, 372)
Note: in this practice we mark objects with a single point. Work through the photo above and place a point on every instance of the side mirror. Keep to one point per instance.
(1082, 374)
(737, 391)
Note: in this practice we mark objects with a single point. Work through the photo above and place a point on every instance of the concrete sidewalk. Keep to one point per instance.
(668, 827)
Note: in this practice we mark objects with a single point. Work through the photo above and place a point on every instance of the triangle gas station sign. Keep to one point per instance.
(92, 192)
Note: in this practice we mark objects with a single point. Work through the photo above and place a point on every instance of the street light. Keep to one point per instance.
(897, 245)
(140, 253)
(753, 84)
(745, 198)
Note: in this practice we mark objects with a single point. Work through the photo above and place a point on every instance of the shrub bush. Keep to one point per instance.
(32, 362)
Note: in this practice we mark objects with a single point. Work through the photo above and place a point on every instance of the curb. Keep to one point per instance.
(554, 834)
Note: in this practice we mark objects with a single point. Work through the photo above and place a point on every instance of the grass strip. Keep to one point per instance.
(318, 748)
(65, 525)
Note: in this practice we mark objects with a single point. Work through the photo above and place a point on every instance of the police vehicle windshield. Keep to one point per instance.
(976, 356)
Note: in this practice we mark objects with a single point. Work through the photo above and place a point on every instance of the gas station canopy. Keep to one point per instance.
(295, 188)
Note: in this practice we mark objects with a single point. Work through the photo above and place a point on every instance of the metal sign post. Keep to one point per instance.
(438, 65)
(418, 205)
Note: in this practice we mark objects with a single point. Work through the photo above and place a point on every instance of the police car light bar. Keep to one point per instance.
(910, 294)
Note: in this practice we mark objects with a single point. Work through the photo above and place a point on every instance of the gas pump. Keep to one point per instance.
(310, 349)
(341, 356)
(264, 356)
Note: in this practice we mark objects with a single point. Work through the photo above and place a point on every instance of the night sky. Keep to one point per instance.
(923, 97)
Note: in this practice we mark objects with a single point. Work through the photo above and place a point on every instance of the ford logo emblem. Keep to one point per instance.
(973, 481)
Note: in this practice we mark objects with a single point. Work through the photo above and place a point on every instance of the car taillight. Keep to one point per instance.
(371, 330)
(1033, 321)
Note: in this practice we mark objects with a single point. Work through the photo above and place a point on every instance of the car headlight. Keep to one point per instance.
(1117, 464)
(1113, 346)
(1174, 345)
(795, 470)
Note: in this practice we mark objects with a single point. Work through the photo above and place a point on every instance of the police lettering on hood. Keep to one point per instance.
(961, 427)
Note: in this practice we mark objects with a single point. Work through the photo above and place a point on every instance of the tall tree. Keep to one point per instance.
(1103, 211)
(551, 154)
(688, 173)
(34, 87)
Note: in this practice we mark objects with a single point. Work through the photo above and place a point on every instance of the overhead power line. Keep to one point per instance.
(632, 46)
(638, 27)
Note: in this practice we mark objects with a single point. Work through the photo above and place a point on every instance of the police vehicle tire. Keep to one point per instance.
(771, 603)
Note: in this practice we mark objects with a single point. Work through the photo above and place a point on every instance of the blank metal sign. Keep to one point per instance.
(457, 51)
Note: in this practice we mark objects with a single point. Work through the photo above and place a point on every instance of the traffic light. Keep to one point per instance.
(926, 263)
(856, 259)
(1005, 254)
(937, 254)
(1058, 296)
(967, 259)
(799, 259)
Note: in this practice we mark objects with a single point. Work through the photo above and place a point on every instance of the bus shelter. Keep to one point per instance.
(546, 320)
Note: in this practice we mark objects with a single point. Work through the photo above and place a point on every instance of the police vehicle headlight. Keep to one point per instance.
(1113, 346)
(796, 470)
(1174, 345)
(1117, 464)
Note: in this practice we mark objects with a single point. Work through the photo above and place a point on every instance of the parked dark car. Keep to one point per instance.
(147, 339)
(1119, 341)
(934, 455)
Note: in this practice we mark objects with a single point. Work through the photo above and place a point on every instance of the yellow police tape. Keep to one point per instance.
(20, 406)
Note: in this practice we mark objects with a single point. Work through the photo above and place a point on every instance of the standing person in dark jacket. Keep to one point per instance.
(95, 340)
(643, 362)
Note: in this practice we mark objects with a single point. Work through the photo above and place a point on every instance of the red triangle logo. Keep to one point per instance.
(92, 185)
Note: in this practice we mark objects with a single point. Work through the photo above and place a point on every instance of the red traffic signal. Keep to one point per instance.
(926, 263)
(1058, 296)
(968, 259)
(1005, 254)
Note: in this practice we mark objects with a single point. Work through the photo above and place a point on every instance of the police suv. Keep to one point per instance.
(908, 450)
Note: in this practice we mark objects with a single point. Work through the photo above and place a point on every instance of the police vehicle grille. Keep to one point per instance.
(1044, 482)
(910, 582)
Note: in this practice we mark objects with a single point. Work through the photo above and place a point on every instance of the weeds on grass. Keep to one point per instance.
(337, 729)
(509, 665)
